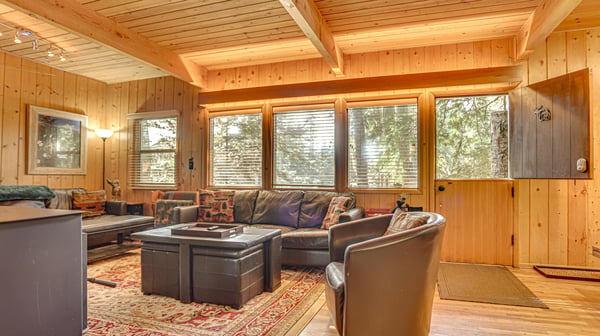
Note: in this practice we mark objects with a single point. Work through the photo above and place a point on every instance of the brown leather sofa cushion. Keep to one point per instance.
(311, 238)
(277, 207)
(243, 205)
(314, 207)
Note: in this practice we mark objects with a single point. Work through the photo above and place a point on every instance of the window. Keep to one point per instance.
(472, 137)
(235, 150)
(304, 149)
(383, 149)
(153, 159)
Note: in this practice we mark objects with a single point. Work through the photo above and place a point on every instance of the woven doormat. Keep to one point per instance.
(484, 283)
(569, 273)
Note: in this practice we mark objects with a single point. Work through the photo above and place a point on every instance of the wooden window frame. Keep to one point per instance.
(133, 154)
(219, 112)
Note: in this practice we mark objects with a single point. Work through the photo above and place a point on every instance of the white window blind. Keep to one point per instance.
(383, 151)
(304, 149)
(236, 150)
(153, 155)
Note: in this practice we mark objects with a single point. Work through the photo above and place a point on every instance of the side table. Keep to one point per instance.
(135, 208)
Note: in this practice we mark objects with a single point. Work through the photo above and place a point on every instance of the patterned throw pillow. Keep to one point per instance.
(402, 221)
(215, 206)
(337, 205)
(92, 203)
(164, 211)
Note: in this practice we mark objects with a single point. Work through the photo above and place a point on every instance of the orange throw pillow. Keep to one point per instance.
(92, 203)
(337, 205)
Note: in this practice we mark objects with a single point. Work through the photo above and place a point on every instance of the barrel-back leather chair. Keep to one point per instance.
(383, 284)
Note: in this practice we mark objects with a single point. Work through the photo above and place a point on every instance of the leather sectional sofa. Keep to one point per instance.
(298, 214)
(115, 224)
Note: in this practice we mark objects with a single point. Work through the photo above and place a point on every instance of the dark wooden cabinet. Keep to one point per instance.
(550, 148)
(42, 287)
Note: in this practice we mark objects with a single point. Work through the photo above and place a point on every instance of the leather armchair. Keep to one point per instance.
(383, 284)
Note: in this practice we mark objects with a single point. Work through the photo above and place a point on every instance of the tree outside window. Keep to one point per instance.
(304, 149)
(472, 137)
(383, 151)
(154, 159)
(236, 150)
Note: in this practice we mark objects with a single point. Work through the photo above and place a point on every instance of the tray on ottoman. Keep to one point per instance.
(208, 230)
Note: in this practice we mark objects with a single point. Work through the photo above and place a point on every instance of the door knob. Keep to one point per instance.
(441, 188)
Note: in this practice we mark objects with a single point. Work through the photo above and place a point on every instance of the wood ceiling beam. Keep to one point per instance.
(541, 23)
(77, 19)
(507, 74)
(311, 22)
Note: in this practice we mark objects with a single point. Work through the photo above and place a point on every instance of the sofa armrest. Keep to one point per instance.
(185, 214)
(118, 208)
(352, 214)
(344, 234)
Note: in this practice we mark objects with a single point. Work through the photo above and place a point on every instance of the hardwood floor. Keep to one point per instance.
(574, 310)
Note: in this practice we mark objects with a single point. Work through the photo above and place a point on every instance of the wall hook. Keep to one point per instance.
(543, 113)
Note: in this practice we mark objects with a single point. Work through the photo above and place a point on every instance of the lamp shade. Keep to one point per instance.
(104, 133)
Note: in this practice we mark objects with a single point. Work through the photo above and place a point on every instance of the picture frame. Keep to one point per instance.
(57, 142)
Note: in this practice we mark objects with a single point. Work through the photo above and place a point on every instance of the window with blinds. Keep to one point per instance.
(383, 150)
(236, 150)
(304, 149)
(153, 156)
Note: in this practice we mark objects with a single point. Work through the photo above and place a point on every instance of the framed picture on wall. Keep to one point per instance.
(57, 142)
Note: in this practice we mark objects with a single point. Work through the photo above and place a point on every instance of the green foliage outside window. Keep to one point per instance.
(304, 149)
(156, 152)
(472, 137)
(383, 151)
(236, 150)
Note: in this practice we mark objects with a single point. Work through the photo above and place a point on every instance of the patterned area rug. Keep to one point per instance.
(125, 311)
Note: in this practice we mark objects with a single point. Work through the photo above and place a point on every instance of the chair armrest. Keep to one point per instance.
(344, 234)
(352, 214)
(118, 208)
(185, 214)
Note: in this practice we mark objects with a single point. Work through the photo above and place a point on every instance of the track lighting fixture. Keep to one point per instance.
(24, 35)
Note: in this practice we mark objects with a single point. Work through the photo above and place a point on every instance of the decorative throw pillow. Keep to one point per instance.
(164, 211)
(92, 203)
(402, 221)
(215, 206)
(337, 205)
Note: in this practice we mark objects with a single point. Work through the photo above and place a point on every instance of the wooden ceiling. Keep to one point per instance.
(121, 40)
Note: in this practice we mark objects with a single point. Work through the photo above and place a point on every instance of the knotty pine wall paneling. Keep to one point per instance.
(24, 82)
(558, 220)
(148, 95)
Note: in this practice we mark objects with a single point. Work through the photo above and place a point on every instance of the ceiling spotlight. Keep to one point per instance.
(17, 37)
(50, 52)
(27, 33)
(62, 56)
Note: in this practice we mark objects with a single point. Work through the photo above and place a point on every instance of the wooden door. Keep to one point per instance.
(479, 220)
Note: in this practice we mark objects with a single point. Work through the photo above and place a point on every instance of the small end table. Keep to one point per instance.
(135, 208)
